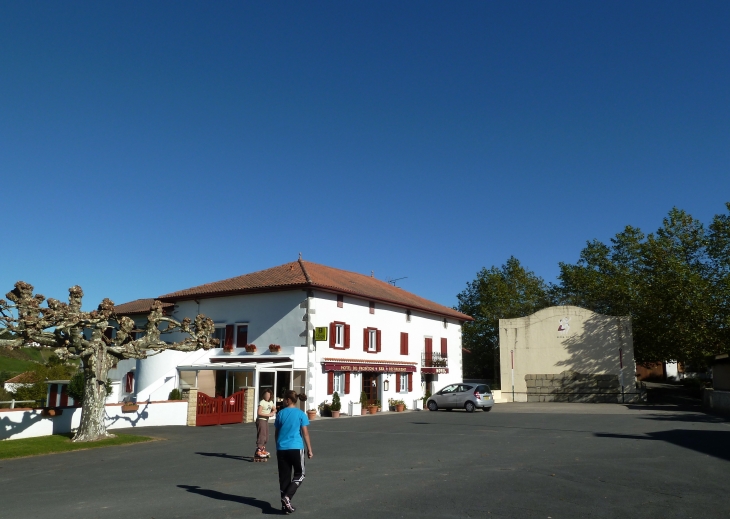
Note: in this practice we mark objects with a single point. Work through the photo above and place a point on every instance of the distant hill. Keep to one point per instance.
(14, 362)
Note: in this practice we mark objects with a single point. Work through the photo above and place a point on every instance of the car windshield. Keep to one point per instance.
(448, 389)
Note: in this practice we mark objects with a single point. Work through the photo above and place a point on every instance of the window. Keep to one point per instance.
(241, 335)
(340, 301)
(403, 383)
(220, 334)
(449, 389)
(372, 307)
(339, 335)
(403, 343)
(371, 340)
(338, 383)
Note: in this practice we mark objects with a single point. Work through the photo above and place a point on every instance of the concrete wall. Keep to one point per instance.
(564, 338)
(570, 386)
(29, 423)
(391, 320)
(716, 401)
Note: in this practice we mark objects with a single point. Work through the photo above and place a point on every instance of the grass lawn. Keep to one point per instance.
(60, 443)
(16, 365)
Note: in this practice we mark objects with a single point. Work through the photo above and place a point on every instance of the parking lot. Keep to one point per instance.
(520, 460)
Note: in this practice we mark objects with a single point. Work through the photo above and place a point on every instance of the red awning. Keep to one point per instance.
(369, 368)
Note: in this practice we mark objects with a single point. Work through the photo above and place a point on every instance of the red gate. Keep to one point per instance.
(219, 410)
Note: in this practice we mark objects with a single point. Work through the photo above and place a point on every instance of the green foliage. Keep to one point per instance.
(175, 394)
(498, 293)
(427, 395)
(60, 443)
(674, 283)
(76, 387)
(40, 374)
(336, 405)
(363, 399)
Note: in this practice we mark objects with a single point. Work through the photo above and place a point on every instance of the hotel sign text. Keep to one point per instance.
(370, 368)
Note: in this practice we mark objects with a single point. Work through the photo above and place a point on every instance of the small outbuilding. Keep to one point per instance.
(567, 354)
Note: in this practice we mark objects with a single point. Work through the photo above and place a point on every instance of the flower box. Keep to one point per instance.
(275, 349)
(130, 408)
(251, 348)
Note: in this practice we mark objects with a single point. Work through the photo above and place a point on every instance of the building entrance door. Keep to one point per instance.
(370, 387)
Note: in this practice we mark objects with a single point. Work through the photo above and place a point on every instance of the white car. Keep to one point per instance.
(462, 396)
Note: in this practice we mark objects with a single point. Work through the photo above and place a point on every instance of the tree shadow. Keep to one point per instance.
(227, 456)
(265, 506)
(9, 427)
(712, 443)
(132, 420)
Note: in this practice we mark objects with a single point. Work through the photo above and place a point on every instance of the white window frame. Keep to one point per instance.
(372, 339)
(339, 336)
(338, 383)
(220, 326)
(402, 382)
(235, 334)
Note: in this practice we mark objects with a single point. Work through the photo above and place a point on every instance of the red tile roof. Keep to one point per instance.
(305, 274)
(138, 306)
(29, 377)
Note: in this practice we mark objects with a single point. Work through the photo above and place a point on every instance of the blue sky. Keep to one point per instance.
(150, 147)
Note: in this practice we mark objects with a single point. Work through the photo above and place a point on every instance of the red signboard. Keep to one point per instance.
(434, 371)
(369, 368)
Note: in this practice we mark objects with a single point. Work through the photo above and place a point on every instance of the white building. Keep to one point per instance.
(380, 339)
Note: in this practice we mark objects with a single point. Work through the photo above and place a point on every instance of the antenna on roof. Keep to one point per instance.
(392, 281)
(300, 255)
(372, 273)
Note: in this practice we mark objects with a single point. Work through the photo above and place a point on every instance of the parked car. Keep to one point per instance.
(462, 396)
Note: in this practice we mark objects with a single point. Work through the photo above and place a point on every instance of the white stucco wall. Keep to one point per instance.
(29, 423)
(589, 345)
(272, 318)
(391, 320)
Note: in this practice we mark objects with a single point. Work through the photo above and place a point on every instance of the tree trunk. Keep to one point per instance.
(93, 412)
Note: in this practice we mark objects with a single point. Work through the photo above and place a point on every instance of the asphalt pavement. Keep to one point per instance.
(518, 461)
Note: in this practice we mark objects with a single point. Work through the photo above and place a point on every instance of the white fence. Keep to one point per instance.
(29, 423)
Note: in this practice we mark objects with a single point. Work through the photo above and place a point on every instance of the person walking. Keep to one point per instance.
(266, 410)
(291, 437)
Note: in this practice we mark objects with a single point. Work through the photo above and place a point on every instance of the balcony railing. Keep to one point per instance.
(434, 360)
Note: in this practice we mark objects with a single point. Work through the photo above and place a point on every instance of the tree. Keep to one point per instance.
(54, 369)
(497, 293)
(674, 283)
(75, 334)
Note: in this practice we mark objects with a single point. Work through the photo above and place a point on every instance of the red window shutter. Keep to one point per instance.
(340, 301)
(333, 331)
(347, 383)
(129, 382)
(443, 347)
(365, 340)
(410, 381)
(377, 333)
(228, 344)
(347, 338)
(53, 397)
(330, 382)
(403, 343)
(372, 307)
(64, 395)
(429, 351)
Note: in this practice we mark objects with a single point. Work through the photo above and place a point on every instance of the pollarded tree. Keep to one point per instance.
(75, 334)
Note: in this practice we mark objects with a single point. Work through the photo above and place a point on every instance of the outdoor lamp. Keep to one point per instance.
(386, 385)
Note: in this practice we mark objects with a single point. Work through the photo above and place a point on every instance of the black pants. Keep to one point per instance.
(287, 460)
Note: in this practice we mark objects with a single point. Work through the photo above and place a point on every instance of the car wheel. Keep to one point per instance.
(469, 406)
(432, 406)
(487, 409)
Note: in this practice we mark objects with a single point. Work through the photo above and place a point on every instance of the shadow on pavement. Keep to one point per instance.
(265, 506)
(712, 443)
(228, 456)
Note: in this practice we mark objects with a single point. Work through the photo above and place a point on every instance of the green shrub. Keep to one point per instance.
(76, 387)
(364, 399)
(175, 394)
(336, 405)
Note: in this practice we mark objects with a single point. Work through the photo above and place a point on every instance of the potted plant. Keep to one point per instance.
(311, 414)
(336, 405)
(426, 396)
(275, 349)
(251, 348)
(129, 407)
(400, 405)
(363, 403)
(374, 407)
(325, 409)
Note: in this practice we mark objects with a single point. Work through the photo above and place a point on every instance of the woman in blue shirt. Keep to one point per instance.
(291, 436)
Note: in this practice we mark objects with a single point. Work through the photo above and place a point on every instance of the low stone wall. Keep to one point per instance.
(570, 386)
(30, 423)
(716, 401)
